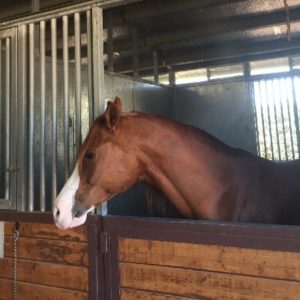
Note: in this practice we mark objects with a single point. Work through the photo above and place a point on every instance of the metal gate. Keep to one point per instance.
(53, 66)
(8, 120)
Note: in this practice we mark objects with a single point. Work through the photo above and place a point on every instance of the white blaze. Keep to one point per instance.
(64, 203)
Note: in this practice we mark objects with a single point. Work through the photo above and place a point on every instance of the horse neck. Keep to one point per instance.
(171, 151)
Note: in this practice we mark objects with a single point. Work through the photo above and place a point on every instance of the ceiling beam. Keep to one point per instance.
(149, 9)
(225, 51)
(216, 28)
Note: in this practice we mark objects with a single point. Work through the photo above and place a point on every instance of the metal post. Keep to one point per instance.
(90, 66)
(7, 115)
(35, 6)
(110, 51)
(31, 120)
(42, 124)
(172, 80)
(155, 67)
(66, 96)
(54, 104)
(135, 54)
(98, 63)
(22, 116)
(98, 72)
(77, 82)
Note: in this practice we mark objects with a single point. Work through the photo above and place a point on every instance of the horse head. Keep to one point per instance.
(105, 167)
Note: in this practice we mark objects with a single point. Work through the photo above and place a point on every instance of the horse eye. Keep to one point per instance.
(90, 155)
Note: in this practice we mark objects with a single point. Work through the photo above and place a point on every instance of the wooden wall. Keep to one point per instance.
(162, 270)
(52, 263)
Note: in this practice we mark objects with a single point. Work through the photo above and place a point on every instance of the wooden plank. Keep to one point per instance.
(57, 275)
(263, 263)
(192, 283)
(53, 251)
(129, 294)
(27, 291)
(47, 231)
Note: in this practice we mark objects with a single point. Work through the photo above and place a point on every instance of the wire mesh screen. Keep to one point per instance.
(277, 103)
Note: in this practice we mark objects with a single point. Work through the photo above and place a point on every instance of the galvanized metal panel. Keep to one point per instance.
(222, 109)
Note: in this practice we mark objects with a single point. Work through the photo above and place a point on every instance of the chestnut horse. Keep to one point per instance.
(202, 177)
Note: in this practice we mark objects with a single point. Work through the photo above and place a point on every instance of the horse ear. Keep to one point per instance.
(112, 113)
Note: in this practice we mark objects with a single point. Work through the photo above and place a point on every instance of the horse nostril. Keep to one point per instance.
(57, 213)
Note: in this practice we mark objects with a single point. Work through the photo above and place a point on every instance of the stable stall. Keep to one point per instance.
(230, 67)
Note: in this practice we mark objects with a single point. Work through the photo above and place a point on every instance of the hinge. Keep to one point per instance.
(103, 242)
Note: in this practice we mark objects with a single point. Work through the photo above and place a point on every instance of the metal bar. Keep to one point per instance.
(135, 54)
(90, 66)
(1, 123)
(42, 123)
(282, 118)
(31, 120)
(54, 104)
(290, 121)
(98, 62)
(110, 51)
(35, 6)
(262, 119)
(155, 67)
(295, 108)
(7, 117)
(77, 82)
(66, 96)
(276, 123)
(172, 80)
(22, 112)
(269, 118)
(98, 72)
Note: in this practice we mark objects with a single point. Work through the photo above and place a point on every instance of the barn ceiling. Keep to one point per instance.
(186, 34)
(196, 33)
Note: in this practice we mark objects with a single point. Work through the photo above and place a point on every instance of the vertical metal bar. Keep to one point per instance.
(135, 54)
(54, 104)
(262, 119)
(22, 112)
(31, 120)
(172, 80)
(7, 116)
(89, 64)
(295, 108)
(269, 118)
(289, 117)
(77, 82)
(2, 116)
(66, 96)
(276, 122)
(35, 6)
(155, 67)
(110, 51)
(98, 62)
(282, 117)
(42, 124)
(255, 116)
(98, 72)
